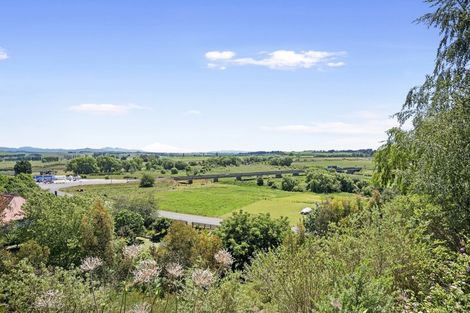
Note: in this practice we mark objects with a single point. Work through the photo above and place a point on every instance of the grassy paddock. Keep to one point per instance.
(216, 199)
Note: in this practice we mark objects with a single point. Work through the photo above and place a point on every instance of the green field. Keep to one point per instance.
(6, 167)
(216, 199)
(290, 205)
(300, 162)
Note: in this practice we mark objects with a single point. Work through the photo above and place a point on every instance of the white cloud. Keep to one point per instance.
(279, 59)
(192, 112)
(365, 123)
(161, 147)
(216, 66)
(3, 55)
(335, 64)
(104, 108)
(219, 55)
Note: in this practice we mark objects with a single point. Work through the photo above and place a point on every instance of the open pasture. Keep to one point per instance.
(215, 199)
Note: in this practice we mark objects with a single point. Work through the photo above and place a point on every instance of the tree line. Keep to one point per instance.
(110, 164)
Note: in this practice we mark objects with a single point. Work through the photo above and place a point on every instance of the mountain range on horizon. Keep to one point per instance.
(30, 149)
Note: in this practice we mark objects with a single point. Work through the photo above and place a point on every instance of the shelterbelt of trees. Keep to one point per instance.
(405, 249)
(112, 164)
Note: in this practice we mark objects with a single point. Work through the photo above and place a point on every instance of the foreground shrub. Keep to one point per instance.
(159, 229)
(243, 235)
(34, 253)
(25, 289)
(22, 184)
(188, 246)
(375, 261)
(97, 232)
(146, 206)
(129, 225)
(329, 211)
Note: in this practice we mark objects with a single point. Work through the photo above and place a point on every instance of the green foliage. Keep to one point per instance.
(376, 260)
(54, 222)
(147, 180)
(260, 181)
(329, 211)
(187, 246)
(108, 164)
(322, 182)
(22, 184)
(450, 79)
(96, 230)
(36, 254)
(244, 235)
(134, 164)
(48, 159)
(146, 206)
(180, 165)
(432, 157)
(22, 289)
(159, 229)
(288, 184)
(281, 161)
(23, 167)
(83, 165)
(174, 171)
(392, 161)
(347, 183)
(128, 224)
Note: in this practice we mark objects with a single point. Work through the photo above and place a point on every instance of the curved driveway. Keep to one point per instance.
(188, 218)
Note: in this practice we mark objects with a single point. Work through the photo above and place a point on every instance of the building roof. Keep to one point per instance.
(11, 208)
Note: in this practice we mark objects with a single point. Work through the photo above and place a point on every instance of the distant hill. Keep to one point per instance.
(59, 150)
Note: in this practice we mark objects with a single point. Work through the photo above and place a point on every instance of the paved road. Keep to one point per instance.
(188, 218)
(53, 187)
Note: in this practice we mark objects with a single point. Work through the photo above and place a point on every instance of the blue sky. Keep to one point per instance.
(208, 75)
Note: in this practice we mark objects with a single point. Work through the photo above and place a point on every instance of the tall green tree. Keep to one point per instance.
(83, 165)
(97, 231)
(54, 222)
(434, 156)
(108, 164)
(23, 167)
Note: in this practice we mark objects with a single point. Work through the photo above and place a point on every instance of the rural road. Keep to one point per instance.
(189, 218)
(53, 187)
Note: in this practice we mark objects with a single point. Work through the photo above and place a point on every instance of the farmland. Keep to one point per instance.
(300, 161)
(216, 199)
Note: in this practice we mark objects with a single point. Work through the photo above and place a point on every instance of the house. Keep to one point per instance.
(11, 208)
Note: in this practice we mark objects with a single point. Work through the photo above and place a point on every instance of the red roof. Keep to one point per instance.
(10, 208)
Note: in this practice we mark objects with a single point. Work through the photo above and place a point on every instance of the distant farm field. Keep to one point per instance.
(300, 162)
(216, 199)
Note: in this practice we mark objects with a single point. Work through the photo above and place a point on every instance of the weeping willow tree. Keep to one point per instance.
(433, 157)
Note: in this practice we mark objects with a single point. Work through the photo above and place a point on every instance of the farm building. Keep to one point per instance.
(11, 208)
